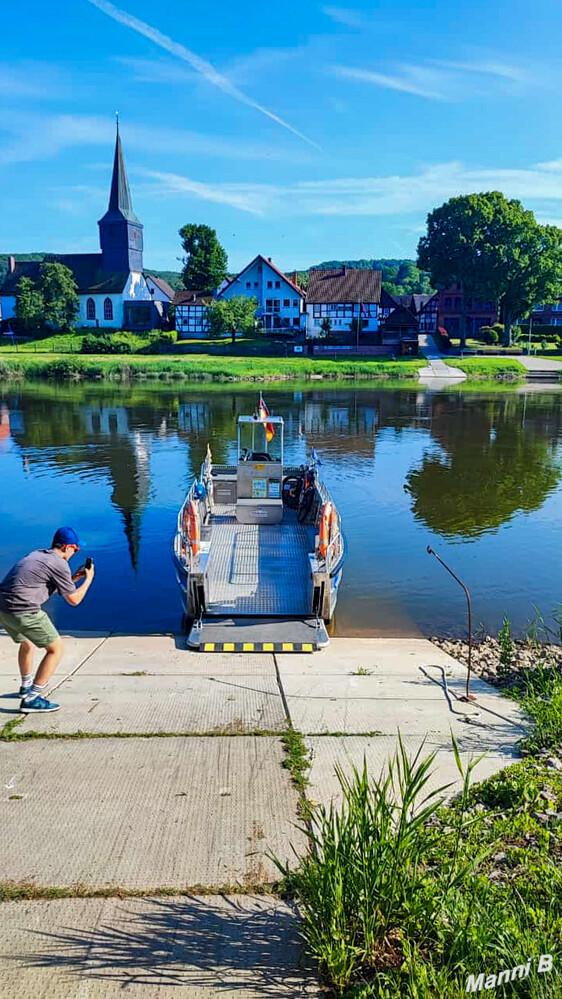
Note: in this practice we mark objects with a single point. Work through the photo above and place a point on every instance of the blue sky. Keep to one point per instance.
(303, 131)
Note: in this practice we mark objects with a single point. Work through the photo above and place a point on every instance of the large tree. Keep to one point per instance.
(29, 306)
(205, 261)
(60, 296)
(496, 250)
(230, 316)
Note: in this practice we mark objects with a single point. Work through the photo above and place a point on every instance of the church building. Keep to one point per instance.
(114, 289)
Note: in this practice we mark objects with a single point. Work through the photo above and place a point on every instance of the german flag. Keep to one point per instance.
(263, 415)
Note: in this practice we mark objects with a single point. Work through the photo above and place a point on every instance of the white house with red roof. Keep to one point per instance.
(280, 300)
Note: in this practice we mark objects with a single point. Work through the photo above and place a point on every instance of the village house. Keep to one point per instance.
(280, 300)
(399, 332)
(548, 315)
(113, 288)
(344, 294)
(450, 309)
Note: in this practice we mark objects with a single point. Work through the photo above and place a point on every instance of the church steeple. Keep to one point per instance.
(120, 230)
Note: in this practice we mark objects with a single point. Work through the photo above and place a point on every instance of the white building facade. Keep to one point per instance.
(280, 300)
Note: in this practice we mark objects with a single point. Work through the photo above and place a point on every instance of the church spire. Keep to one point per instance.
(121, 237)
(120, 201)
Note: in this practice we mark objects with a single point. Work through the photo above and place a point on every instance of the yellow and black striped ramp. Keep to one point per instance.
(263, 634)
(258, 647)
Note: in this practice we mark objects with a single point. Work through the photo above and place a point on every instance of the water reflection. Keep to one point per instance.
(494, 461)
(406, 467)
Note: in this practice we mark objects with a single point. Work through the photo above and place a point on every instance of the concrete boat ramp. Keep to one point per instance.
(164, 770)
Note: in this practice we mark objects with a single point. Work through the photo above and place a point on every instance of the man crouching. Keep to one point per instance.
(26, 587)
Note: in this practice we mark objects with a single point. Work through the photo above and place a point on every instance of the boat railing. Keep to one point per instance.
(335, 553)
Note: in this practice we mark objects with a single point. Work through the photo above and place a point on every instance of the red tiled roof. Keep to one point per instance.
(346, 284)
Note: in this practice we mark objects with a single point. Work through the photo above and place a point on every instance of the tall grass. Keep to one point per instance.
(394, 895)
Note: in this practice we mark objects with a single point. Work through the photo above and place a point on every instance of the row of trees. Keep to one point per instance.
(497, 251)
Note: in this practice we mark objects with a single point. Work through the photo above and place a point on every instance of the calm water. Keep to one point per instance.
(475, 475)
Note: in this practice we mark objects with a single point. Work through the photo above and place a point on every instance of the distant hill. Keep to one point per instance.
(172, 277)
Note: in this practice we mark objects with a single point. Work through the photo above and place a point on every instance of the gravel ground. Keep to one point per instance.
(486, 661)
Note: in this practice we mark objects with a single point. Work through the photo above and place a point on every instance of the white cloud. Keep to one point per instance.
(40, 137)
(201, 66)
(30, 79)
(398, 195)
(455, 80)
(344, 15)
(413, 81)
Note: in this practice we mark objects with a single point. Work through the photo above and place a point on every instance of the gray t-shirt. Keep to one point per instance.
(33, 580)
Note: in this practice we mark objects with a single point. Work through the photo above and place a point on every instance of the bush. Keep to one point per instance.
(492, 334)
(159, 342)
(442, 341)
(106, 345)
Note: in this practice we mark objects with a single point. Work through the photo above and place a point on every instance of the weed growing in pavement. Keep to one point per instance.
(361, 671)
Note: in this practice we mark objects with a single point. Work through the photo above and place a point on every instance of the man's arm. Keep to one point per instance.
(77, 597)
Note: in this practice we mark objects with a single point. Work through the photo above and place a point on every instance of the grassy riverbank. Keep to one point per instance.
(486, 368)
(200, 367)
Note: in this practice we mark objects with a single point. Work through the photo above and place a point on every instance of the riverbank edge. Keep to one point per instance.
(201, 368)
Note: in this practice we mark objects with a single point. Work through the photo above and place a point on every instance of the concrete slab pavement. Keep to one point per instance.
(168, 654)
(153, 948)
(178, 704)
(145, 813)
(345, 655)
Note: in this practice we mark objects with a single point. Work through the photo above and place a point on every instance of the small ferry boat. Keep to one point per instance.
(259, 548)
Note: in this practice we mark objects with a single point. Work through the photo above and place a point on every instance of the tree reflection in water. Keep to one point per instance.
(498, 457)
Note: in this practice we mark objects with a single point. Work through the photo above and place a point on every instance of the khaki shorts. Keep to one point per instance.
(36, 626)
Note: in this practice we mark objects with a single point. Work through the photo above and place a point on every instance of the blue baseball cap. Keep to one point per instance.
(65, 536)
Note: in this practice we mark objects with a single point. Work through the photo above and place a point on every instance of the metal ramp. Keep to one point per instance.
(279, 634)
(258, 569)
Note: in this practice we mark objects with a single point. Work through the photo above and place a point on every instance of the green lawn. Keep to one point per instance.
(199, 367)
(488, 367)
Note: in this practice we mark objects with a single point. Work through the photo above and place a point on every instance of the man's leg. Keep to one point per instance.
(49, 662)
(25, 658)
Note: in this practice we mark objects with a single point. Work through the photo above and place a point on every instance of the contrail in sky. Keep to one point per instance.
(206, 69)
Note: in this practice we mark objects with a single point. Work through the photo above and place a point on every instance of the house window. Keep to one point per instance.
(538, 308)
(90, 309)
(248, 284)
(108, 309)
(316, 311)
(256, 284)
(286, 303)
(277, 284)
(270, 284)
(295, 303)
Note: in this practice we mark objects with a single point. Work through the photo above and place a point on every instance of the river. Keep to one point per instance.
(475, 474)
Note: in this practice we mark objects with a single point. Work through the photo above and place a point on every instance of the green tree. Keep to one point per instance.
(205, 261)
(60, 296)
(496, 250)
(230, 316)
(30, 305)
(326, 326)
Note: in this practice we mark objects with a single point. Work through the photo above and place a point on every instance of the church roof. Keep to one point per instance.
(120, 201)
(86, 268)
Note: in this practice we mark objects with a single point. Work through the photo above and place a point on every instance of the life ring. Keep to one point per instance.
(190, 526)
(334, 523)
(325, 528)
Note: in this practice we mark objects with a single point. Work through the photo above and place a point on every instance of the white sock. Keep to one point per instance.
(26, 681)
(35, 690)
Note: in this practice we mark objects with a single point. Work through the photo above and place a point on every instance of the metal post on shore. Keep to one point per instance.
(529, 340)
(467, 696)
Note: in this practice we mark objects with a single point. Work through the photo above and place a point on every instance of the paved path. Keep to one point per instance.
(534, 364)
(436, 365)
(163, 770)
